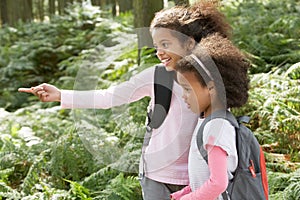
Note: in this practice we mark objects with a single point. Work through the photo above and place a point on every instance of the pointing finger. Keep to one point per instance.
(28, 90)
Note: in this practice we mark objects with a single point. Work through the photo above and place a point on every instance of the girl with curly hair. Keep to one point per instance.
(214, 79)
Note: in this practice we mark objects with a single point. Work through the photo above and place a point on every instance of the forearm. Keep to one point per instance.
(85, 99)
(218, 180)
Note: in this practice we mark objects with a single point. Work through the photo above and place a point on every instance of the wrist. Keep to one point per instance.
(59, 96)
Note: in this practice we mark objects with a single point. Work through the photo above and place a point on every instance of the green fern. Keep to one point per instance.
(35, 173)
(8, 193)
(284, 186)
(77, 191)
(274, 105)
(121, 188)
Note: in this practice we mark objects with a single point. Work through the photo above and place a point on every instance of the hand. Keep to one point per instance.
(45, 92)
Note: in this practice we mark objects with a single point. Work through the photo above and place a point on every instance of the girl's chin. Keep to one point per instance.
(191, 108)
(196, 111)
(169, 68)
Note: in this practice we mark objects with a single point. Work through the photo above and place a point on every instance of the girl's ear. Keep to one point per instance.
(211, 87)
(191, 43)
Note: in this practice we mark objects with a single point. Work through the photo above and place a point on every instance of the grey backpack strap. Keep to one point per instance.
(163, 84)
(244, 119)
(199, 139)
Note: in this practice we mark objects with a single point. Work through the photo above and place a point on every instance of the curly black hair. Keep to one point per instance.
(227, 67)
(196, 21)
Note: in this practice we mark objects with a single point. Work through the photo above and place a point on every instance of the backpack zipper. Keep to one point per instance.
(252, 169)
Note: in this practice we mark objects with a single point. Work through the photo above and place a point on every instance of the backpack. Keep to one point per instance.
(250, 178)
(163, 84)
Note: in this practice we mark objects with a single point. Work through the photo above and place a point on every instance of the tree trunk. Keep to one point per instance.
(113, 4)
(61, 6)
(28, 12)
(181, 2)
(3, 10)
(96, 2)
(144, 11)
(51, 8)
(12, 12)
(40, 10)
(125, 5)
(103, 3)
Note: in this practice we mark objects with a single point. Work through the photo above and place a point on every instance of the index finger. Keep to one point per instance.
(28, 90)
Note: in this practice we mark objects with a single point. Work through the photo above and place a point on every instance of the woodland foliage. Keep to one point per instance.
(50, 153)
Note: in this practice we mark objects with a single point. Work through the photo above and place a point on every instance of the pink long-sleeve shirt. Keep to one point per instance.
(166, 156)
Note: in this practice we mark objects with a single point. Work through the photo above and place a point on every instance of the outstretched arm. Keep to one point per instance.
(45, 92)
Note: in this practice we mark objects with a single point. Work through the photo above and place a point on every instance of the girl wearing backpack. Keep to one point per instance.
(214, 78)
(175, 32)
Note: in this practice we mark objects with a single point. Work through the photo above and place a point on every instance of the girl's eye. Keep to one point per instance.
(165, 45)
(187, 89)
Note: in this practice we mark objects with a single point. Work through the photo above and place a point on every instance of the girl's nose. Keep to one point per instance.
(159, 51)
(183, 96)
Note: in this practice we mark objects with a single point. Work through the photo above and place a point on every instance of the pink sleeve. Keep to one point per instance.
(177, 195)
(218, 180)
(137, 87)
